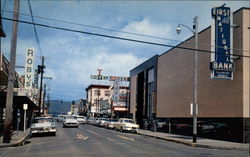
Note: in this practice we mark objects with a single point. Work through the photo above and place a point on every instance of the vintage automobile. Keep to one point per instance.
(125, 124)
(110, 123)
(101, 122)
(70, 121)
(43, 125)
(60, 118)
(81, 119)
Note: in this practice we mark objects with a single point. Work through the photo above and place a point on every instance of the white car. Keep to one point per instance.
(110, 124)
(125, 124)
(60, 118)
(43, 125)
(70, 121)
(81, 119)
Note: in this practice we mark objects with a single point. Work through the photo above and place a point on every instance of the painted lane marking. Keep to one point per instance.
(126, 138)
(94, 133)
(81, 137)
(110, 139)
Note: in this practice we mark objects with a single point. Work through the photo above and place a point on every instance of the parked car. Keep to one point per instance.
(81, 119)
(70, 121)
(110, 124)
(60, 118)
(90, 121)
(125, 124)
(101, 122)
(43, 125)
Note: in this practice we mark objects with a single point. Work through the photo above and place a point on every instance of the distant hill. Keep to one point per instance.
(57, 107)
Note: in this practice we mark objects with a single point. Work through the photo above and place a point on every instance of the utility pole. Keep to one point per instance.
(44, 95)
(11, 76)
(195, 104)
(40, 70)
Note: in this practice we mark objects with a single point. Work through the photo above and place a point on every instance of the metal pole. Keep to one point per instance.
(195, 104)
(41, 86)
(44, 94)
(11, 76)
(24, 120)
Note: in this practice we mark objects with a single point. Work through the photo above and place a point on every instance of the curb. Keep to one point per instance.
(196, 144)
(20, 142)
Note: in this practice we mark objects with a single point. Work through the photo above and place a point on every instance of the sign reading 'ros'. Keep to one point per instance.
(29, 62)
(222, 65)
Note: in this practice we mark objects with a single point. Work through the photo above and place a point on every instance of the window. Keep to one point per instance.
(97, 92)
(107, 93)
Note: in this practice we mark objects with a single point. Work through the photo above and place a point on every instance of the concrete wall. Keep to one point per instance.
(133, 82)
(216, 98)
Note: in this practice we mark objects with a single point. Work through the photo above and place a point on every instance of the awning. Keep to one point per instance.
(18, 102)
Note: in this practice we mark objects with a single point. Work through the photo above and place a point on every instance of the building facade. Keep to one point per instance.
(100, 100)
(20, 97)
(143, 91)
(223, 105)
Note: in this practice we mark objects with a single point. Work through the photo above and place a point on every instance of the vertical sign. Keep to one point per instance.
(116, 93)
(221, 65)
(36, 79)
(29, 62)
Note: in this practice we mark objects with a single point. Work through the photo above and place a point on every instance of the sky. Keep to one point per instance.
(71, 57)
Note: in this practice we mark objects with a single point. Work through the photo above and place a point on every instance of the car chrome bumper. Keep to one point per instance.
(42, 131)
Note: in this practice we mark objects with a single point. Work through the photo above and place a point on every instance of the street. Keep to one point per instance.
(90, 141)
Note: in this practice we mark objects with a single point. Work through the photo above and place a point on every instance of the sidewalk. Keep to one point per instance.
(201, 142)
(18, 138)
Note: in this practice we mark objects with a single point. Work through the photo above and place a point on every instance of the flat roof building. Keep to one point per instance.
(223, 105)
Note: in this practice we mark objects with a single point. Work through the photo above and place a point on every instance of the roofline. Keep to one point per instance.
(242, 8)
(184, 41)
(199, 33)
(95, 85)
(145, 61)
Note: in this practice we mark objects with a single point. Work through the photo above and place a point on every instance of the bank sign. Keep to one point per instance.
(29, 62)
(221, 65)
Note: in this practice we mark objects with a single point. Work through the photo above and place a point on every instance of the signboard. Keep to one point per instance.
(99, 77)
(110, 78)
(221, 65)
(25, 106)
(29, 62)
(36, 79)
(120, 109)
(119, 78)
(116, 91)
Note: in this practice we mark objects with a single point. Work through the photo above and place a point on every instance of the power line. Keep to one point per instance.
(37, 39)
(96, 27)
(119, 38)
(126, 32)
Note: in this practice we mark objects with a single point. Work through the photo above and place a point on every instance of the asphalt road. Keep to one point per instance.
(90, 141)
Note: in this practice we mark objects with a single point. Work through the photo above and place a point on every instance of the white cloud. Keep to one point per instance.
(147, 27)
(74, 59)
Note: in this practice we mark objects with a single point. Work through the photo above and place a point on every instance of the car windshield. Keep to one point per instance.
(43, 120)
(128, 121)
(69, 117)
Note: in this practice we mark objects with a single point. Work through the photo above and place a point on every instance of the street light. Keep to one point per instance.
(195, 76)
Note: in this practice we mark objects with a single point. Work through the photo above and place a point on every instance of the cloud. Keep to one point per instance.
(148, 27)
(75, 58)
